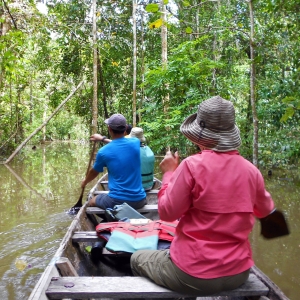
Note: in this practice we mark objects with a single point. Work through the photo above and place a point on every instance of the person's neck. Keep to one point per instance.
(115, 135)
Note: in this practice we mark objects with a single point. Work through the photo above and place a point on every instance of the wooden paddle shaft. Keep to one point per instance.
(79, 202)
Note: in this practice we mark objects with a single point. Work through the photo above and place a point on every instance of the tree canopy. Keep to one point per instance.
(47, 49)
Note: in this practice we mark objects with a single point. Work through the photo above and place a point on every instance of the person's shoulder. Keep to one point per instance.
(133, 140)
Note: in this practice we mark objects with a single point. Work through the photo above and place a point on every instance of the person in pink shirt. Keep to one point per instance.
(216, 195)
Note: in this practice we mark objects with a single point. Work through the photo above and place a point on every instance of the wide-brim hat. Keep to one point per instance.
(213, 126)
(138, 133)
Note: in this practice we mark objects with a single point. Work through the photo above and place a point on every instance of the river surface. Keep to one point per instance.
(38, 186)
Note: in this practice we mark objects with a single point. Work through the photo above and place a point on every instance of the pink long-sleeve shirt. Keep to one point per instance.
(216, 196)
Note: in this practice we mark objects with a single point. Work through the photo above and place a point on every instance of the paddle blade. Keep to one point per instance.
(274, 225)
(75, 209)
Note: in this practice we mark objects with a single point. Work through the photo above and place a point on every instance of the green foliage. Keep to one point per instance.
(293, 104)
(189, 30)
(208, 53)
(153, 7)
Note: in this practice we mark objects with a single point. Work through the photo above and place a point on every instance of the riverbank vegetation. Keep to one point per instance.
(154, 62)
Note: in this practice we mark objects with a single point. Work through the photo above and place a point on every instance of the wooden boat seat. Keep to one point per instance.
(144, 209)
(150, 192)
(134, 287)
(85, 236)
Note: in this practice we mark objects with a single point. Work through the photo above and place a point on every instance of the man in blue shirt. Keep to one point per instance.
(121, 157)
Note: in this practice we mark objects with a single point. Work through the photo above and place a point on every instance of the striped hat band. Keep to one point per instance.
(213, 126)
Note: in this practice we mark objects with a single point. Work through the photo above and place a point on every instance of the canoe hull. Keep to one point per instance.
(84, 265)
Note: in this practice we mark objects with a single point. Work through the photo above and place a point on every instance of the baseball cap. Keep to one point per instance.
(116, 122)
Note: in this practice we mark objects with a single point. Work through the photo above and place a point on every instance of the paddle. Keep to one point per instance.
(74, 209)
(274, 225)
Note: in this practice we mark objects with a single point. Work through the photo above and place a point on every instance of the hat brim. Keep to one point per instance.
(142, 138)
(221, 141)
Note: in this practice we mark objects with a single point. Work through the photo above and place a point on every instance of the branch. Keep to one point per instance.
(222, 28)
(44, 124)
(199, 4)
(10, 14)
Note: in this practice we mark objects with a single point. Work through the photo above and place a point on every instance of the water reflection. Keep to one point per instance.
(279, 258)
(38, 187)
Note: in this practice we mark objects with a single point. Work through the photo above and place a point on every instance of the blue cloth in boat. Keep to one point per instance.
(126, 237)
(121, 157)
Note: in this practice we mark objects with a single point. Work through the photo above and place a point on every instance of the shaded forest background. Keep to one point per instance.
(46, 50)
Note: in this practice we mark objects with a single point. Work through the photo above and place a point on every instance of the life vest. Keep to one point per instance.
(126, 237)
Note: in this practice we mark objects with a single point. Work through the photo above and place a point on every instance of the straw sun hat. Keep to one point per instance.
(137, 132)
(213, 126)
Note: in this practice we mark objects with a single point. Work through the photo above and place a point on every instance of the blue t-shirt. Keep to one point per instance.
(121, 157)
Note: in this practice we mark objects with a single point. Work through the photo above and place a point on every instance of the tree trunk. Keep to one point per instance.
(30, 103)
(142, 66)
(103, 88)
(252, 87)
(164, 50)
(19, 116)
(197, 17)
(44, 120)
(217, 50)
(134, 5)
(94, 125)
(44, 124)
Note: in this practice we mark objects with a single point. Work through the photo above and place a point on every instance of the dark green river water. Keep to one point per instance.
(39, 186)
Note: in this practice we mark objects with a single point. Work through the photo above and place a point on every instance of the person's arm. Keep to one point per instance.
(174, 197)
(92, 174)
(100, 138)
(273, 222)
(263, 204)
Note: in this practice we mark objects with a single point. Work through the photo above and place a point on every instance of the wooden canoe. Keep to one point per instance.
(74, 274)
(102, 185)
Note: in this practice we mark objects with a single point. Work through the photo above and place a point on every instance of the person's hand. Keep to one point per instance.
(96, 137)
(170, 162)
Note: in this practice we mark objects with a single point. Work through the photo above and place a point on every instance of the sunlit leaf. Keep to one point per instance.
(152, 7)
(166, 2)
(20, 264)
(156, 24)
(288, 99)
(189, 30)
(88, 249)
(288, 114)
(186, 3)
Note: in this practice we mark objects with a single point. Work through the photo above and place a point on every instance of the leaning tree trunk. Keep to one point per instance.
(252, 87)
(42, 126)
(134, 5)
